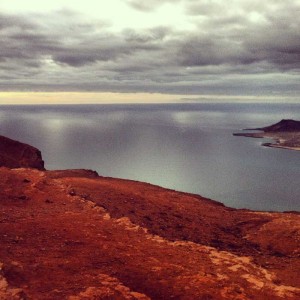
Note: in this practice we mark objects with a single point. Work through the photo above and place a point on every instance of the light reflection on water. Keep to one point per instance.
(185, 147)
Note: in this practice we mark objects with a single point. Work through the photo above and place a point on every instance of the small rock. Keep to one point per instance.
(72, 192)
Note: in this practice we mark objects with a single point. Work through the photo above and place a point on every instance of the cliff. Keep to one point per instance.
(75, 235)
(14, 154)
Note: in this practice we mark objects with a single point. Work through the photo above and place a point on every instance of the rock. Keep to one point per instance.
(14, 154)
(283, 126)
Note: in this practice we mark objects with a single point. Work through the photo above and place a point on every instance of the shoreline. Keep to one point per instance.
(282, 140)
(280, 146)
(77, 235)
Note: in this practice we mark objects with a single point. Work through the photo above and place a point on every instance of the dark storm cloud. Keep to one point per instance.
(74, 45)
(259, 31)
(283, 53)
(256, 47)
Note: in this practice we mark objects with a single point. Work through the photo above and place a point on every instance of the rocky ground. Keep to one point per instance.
(76, 235)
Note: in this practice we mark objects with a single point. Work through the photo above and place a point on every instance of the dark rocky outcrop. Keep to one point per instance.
(14, 154)
(282, 126)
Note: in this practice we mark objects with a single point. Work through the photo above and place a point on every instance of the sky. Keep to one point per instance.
(154, 50)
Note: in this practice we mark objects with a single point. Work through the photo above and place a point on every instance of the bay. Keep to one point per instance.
(184, 146)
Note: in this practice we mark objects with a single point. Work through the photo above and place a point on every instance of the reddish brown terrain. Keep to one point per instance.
(76, 235)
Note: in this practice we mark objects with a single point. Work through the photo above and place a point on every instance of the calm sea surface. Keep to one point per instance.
(187, 147)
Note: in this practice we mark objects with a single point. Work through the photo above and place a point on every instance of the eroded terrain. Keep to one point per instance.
(75, 235)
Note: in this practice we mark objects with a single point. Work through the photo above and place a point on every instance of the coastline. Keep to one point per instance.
(282, 140)
(280, 146)
(75, 235)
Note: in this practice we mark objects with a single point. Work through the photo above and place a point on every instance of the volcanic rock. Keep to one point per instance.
(14, 154)
(82, 236)
(282, 126)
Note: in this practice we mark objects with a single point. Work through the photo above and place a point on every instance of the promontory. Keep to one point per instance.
(72, 234)
(286, 134)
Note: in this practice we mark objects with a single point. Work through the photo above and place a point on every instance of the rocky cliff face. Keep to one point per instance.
(14, 154)
(76, 235)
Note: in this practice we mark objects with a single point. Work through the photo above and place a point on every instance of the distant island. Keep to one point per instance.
(286, 134)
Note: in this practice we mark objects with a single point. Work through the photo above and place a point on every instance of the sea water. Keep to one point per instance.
(186, 146)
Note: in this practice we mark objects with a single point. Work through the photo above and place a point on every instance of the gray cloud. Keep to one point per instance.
(255, 49)
(258, 31)
(149, 5)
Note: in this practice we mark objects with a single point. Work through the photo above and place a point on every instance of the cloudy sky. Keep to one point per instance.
(168, 49)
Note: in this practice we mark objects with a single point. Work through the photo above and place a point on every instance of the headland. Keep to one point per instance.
(72, 234)
(285, 133)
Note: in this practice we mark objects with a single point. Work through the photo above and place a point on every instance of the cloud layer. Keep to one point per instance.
(238, 47)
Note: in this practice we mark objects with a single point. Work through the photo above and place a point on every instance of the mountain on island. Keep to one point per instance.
(75, 235)
(282, 126)
(286, 134)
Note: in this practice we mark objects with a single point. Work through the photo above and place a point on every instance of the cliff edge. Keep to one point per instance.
(75, 235)
(14, 154)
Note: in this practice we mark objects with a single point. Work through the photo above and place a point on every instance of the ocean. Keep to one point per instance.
(184, 146)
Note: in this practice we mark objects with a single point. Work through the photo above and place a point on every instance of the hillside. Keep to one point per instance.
(283, 126)
(75, 235)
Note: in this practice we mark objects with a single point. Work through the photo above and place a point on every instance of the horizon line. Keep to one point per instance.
(85, 98)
